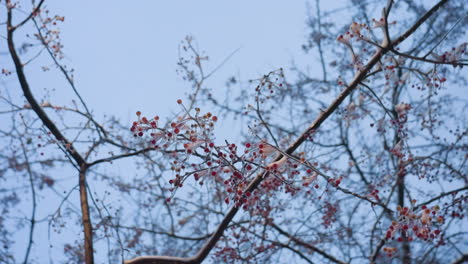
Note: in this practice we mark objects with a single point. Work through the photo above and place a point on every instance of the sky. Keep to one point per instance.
(124, 52)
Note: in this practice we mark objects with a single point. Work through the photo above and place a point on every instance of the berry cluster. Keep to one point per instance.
(420, 223)
(189, 143)
(454, 55)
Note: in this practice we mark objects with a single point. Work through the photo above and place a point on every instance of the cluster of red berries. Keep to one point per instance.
(420, 223)
(189, 143)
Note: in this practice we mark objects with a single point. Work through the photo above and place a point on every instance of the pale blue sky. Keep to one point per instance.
(125, 52)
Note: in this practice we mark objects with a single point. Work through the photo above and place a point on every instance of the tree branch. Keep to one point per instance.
(359, 77)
